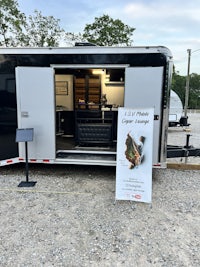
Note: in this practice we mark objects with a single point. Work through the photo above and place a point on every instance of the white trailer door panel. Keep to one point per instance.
(143, 89)
(36, 109)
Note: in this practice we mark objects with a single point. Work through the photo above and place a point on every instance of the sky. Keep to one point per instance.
(173, 23)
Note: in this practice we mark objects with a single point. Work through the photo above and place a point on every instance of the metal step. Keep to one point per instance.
(87, 157)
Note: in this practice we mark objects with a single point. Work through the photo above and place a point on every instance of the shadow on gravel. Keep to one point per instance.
(60, 170)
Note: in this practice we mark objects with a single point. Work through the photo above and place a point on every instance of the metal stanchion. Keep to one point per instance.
(25, 135)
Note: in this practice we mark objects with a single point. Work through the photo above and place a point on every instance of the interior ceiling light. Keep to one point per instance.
(98, 71)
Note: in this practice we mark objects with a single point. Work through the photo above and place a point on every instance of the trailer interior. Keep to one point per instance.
(87, 100)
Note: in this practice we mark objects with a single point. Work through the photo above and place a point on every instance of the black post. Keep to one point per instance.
(26, 155)
(187, 141)
(25, 135)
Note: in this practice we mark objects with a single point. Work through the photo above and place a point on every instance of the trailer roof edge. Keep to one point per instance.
(86, 49)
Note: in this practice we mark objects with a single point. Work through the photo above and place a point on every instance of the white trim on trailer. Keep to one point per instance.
(10, 161)
(68, 161)
(89, 66)
(89, 50)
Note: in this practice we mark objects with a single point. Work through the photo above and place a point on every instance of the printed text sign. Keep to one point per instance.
(134, 154)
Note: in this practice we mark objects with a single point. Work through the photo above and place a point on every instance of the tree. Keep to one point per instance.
(179, 84)
(194, 93)
(106, 31)
(11, 22)
(71, 38)
(41, 31)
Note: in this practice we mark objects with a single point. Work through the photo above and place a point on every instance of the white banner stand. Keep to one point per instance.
(134, 154)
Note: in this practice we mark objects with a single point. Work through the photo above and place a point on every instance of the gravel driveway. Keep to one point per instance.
(70, 218)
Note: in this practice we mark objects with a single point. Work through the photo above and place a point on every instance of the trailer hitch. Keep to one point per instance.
(183, 151)
(187, 141)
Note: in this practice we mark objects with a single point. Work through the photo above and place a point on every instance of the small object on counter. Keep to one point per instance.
(103, 100)
(81, 101)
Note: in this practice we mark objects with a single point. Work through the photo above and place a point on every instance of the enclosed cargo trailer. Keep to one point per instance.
(70, 97)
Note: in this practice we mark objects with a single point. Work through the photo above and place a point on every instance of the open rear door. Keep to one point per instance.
(36, 109)
(143, 89)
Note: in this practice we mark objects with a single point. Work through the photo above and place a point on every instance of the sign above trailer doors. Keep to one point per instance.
(143, 88)
(36, 109)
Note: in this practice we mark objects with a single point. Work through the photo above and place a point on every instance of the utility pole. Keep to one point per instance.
(187, 84)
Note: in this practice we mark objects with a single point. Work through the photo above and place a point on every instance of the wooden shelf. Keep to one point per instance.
(87, 88)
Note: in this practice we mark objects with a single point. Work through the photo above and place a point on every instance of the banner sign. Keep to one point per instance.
(134, 154)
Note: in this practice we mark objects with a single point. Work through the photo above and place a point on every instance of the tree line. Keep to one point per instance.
(18, 30)
(179, 86)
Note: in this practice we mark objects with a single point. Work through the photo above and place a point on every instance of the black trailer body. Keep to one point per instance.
(78, 79)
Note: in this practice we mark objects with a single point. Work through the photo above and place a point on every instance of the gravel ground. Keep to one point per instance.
(70, 218)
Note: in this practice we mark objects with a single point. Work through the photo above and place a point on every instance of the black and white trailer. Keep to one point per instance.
(70, 97)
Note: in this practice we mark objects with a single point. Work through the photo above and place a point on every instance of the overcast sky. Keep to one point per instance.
(173, 23)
